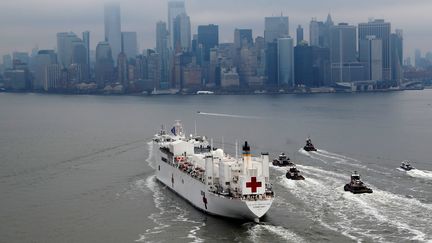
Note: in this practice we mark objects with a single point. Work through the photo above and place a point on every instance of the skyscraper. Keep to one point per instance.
(163, 51)
(65, 47)
(122, 69)
(343, 44)
(381, 30)
(175, 8)
(208, 37)
(43, 59)
(371, 55)
(319, 32)
(23, 57)
(104, 68)
(276, 27)
(242, 36)
(129, 44)
(271, 64)
(113, 27)
(397, 56)
(300, 37)
(286, 61)
(311, 65)
(343, 49)
(182, 33)
(86, 40)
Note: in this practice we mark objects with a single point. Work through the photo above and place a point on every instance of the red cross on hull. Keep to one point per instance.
(253, 184)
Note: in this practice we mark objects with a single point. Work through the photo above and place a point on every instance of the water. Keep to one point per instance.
(78, 168)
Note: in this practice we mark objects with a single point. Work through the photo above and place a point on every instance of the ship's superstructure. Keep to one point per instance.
(210, 179)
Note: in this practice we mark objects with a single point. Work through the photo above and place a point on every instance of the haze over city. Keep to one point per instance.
(26, 24)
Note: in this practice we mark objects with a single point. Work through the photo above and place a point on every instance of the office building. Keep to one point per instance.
(285, 62)
(208, 37)
(381, 30)
(175, 8)
(130, 44)
(113, 28)
(243, 37)
(104, 67)
(182, 33)
(371, 56)
(275, 28)
(300, 36)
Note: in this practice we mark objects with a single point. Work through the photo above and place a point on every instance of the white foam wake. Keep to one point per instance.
(393, 217)
(258, 231)
(229, 115)
(423, 174)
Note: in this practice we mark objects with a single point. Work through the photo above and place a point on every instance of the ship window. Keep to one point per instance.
(182, 181)
(164, 159)
(227, 183)
(159, 167)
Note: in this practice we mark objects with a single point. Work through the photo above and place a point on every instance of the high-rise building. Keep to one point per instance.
(343, 50)
(154, 70)
(300, 36)
(7, 61)
(86, 40)
(275, 28)
(286, 61)
(243, 37)
(175, 8)
(208, 37)
(381, 30)
(311, 65)
(343, 43)
(163, 51)
(271, 64)
(319, 32)
(53, 77)
(122, 69)
(130, 44)
(182, 33)
(23, 57)
(104, 67)
(370, 55)
(397, 56)
(43, 59)
(113, 28)
(65, 47)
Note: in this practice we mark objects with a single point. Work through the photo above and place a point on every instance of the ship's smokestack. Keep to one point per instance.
(246, 158)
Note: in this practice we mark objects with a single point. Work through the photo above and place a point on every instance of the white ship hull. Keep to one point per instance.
(195, 192)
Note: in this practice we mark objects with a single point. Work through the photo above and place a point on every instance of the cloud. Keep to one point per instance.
(25, 23)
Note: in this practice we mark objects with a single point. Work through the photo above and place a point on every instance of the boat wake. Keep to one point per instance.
(170, 215)
(422, 174)
(229, 115)
(262, 232)
(394, 217)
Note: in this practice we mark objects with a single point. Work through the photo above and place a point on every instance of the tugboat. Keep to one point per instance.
(294, 174)
(406, 165)
(309, 146)
(356, 186)
(282, 161)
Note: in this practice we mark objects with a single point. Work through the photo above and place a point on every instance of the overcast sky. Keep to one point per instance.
(25, 24)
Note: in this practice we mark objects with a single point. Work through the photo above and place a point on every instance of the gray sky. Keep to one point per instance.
(27, 23)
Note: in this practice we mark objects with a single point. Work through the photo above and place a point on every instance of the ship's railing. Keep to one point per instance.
(181, 163)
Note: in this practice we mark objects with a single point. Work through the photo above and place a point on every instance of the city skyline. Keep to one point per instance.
(46, 22)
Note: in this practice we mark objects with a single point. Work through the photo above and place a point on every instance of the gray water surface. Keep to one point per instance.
(78, 168)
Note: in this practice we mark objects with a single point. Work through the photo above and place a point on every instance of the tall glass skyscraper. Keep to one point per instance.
(275, 27)
(113, 28)
(175, 8)
(286, 61)
(381, 30)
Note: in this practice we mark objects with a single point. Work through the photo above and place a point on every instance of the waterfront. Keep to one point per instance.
(76, 168)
